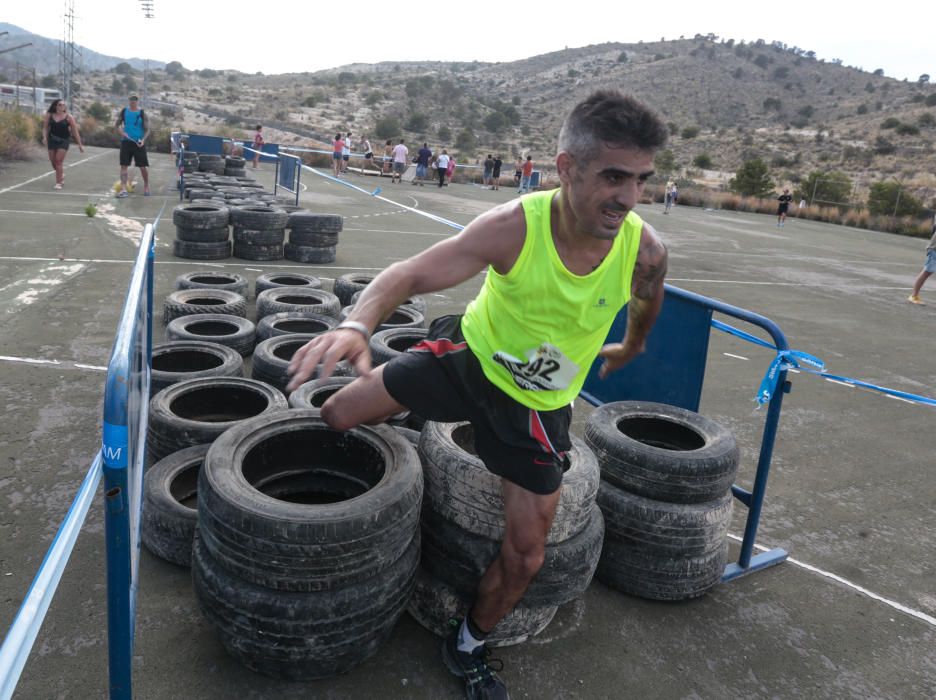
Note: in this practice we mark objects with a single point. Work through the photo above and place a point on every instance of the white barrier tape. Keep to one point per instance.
(25, 627)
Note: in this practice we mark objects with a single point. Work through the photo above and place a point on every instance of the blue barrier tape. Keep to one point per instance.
(792, 359)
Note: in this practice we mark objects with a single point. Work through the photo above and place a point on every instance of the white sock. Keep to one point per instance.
(466, 641)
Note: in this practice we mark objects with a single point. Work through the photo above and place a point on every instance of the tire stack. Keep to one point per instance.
(463, 525)
(313, 238)
(666, 476)
(307, 542)
(210, 163)
(234, 166)
(201, 231)
(259, 232)
(189, 162)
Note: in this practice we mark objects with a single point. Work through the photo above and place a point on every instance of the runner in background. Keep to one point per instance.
(257, 145)
(57, 126)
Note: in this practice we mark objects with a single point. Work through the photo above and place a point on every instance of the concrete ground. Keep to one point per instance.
(851, 495)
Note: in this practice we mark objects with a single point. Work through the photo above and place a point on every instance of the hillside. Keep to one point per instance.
(725, 103)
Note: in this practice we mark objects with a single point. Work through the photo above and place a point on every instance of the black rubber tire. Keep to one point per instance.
(347, 285)
(309, 255)
(387, 344)
(402, 317)
(301, 636)
(169, 505)
(308, 222)
(200, 216)
(271, 358)
(435, 604)
(461, 489)
(185, 302)
(416, 302)
(196, 411)
(300, 237)
(209, 279)
(234, 162)
(201, 251)
(314, 393)
(667, 453)
(180, 360)
(354, 513)
(664, 529)
(460, 558)
(316, 301)
(264, 237)
(247, 251)
(196, 195)
(273, 280)
(233, 331)
(289, 322)
(203, 235)
(259, 218)
(659, 578)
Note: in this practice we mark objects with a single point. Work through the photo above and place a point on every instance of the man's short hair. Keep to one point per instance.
(610, 117)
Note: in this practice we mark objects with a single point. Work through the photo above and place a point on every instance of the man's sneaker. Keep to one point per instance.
(477, 668)
(122, 194)
(915, 299)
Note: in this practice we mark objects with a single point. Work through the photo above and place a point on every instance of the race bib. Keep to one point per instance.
(545, 369)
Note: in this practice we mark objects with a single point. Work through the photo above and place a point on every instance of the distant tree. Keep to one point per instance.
(515, 100)
(387, 128)
(347, 78)
(862, 109)
(908, 130)
(704, 161)
(98, 112)
(665, 161)
(879, 71)
(752, 179)
(466, 142)
(495, 122)
(208, 73)
(690, 132)
(761, 61)
(445, 134)
(49, 81)
(869, 86)
(781, 73)
(926, 120)
(923, 79)
(123, 68)
(373, 97)
(772, 103)
(116, 86)
(417, 122)
(175, 69)
(622, 57)
(826, 186)
(930, 100)
(737, 73)
(891, 199)
(890, 123)
(129, 83)
(806, 112)
(883, 147)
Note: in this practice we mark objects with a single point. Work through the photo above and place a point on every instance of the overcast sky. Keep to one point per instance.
(898, 36)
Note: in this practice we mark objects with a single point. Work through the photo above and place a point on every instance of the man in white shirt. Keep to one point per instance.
(400, 154)
(442, 163)
(346, 152)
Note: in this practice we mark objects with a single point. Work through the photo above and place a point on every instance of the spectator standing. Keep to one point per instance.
(518, 171)
(257, 145)
(442, 164)
(368, 155)
(388, 157)
(495, 173)
(488, 171)
(423, 157)
(337, 153)
(526, 175)
(346, 153)
(57, 126)
(450, 171)
(400, 156)
(133, 127)
(929, 267)
(784, 205)
(675, 193)
(668, 196)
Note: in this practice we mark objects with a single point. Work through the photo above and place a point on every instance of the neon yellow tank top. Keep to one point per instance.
(537, 329)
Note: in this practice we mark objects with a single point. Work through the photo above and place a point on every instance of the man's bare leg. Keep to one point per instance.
(363, 401)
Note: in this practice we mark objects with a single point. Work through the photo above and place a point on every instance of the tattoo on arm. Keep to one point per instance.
(650, 270)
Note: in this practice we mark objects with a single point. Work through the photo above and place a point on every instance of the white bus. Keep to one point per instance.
(27, 98)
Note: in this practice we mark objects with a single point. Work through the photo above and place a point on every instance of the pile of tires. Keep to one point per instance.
(189, 162)
(210, 163)
(259, 232)
(463, 525)
(666, 476)
(201, 231)
(178, 360)
(307, 542)
(313, 238)
(186, 302)
(350, 284)
(296, 299)
(234, 166)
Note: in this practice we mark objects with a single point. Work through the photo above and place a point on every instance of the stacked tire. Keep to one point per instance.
(201, 231)
(313, 238)
(666, 476)
(210, 163)
(259, 232)
(463, 526)
(307, 542)
(234, 166)
(189, 162)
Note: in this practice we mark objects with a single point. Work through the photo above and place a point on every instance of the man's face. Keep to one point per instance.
(603, 191)
(133, 104)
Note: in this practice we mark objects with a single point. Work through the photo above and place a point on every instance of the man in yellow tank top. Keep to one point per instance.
(560, 265)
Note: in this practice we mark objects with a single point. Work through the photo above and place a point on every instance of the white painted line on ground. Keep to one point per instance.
(836, 381)
(900, 398)
(413, 233)
(62, 213)
(63, 193)
(738, 357)
(51, 172)
(29, 360)
(775, 284)
(94, 367)
(854, 586)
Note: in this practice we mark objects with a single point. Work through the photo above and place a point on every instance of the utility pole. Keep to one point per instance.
(148, 13)
(69, 55)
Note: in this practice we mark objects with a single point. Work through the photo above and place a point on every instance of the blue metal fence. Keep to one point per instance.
(288, 174)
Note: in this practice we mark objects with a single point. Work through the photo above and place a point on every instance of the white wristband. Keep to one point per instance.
(356, 326)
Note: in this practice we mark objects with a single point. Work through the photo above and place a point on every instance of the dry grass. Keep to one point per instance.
(19, 136)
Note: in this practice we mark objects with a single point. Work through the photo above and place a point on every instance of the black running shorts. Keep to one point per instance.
(131, 150)
(440, 379)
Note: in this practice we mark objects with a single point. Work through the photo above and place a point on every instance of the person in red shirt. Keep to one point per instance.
(257, 145)
(337, 151)
(526, 175)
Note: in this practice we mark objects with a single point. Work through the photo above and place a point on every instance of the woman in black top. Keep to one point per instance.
(57, 126)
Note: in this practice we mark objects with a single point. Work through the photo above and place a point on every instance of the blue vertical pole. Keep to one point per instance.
(117, 531)
(298, 179)
(763, 470)
(276, 176)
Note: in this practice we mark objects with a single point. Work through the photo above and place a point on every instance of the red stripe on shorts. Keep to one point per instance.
(440, 347)
(538, 432)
